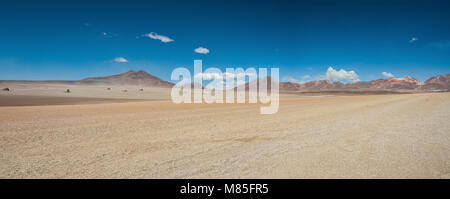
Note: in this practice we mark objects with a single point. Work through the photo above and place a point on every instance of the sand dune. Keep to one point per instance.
(370, 136)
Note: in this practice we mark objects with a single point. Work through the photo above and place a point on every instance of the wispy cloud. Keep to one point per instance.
(109, 34)
(387, 75)
(162, 38)
(414, 39)
(291, 79)
(201, 50)
(341, 75)
(120, 60)
(442, 45)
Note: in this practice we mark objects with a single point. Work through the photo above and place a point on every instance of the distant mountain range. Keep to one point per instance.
(144, 79)
(406, 84)
(441, 82)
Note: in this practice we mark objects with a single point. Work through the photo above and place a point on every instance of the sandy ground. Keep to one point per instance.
(379, 136)
(83, 91)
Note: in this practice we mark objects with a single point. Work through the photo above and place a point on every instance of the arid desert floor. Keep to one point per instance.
(366, 136)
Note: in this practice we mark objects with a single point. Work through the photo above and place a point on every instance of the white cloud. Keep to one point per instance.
(221, 84)
(220, 80)
(387, 75)
(201, 50)
(162, 38)
(412, 40)
(306, 77)
(341, 75)
(226, 75)
(120, 60)
(208, 76)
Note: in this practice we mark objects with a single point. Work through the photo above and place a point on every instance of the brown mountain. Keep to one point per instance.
(322, 85)
(134, 78)
(441, 82)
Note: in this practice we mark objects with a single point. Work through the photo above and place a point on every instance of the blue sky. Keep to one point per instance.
(78, 39)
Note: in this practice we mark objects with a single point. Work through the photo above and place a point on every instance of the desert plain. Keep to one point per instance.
(93, 132)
